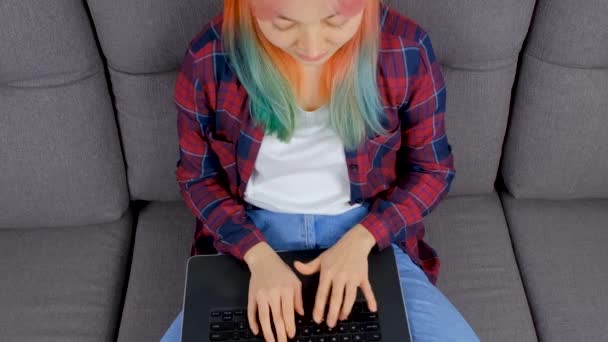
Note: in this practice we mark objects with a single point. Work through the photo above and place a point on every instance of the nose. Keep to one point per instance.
(311, 42)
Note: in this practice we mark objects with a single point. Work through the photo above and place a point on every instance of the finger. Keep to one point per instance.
(308, 268)
(321, 298)
(349, 300)
(337, 297)
(366, 288)
(251, 311)
(277, 317)
(264, 312)
(287, 301)
(298, 299)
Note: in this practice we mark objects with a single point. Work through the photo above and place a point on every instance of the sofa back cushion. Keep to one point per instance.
(477, 43)
(60, 157)
(144, 43)
(556, 146)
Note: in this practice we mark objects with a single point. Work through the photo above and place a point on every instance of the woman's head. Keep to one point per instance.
(315, 31)
(265, 60)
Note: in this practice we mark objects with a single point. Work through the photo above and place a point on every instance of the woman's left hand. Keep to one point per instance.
(343, 269)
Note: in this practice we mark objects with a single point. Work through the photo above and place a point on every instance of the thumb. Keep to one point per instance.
(308, 268)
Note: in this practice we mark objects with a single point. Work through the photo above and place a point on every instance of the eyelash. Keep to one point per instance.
(292, 26)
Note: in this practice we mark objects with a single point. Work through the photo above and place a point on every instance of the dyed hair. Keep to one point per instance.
(272, 77)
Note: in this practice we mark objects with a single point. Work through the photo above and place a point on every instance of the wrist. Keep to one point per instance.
(256, 253)
(365, 236)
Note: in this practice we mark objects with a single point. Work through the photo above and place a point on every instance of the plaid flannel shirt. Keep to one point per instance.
(403, 175)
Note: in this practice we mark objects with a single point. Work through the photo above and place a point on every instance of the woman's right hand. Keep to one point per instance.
(274, 289)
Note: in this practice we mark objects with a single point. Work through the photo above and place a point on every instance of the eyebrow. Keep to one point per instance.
(292, 20)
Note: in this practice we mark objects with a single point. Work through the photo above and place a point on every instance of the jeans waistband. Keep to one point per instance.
(249, 206)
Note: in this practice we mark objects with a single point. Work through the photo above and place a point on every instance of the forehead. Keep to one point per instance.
(268, 9)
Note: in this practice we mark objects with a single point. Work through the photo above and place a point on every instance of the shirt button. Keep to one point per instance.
(353, 166)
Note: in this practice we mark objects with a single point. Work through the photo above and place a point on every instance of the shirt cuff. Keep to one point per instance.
(374, 223)
(239, 236)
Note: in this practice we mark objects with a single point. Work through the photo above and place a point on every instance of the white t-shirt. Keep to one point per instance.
(308, 175)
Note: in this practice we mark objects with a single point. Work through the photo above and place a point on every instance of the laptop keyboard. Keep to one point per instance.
(362, 325)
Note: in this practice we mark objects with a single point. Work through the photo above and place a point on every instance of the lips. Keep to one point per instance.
(313, 58)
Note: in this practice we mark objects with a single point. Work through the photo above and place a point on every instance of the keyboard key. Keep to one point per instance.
(306, 331)
(372, 336)
(366, 317)
(328, 331)
(222, 326)
(370, 327)
(220, 336)
(364, 308)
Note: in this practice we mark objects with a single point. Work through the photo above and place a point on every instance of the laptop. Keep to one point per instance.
(216, 291)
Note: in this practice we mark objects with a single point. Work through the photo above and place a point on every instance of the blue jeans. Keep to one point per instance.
(430, 314)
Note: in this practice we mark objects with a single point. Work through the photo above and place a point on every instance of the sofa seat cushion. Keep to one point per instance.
(155, 292)
(561, 250)
(478, 269)
(478, 273)
(63, 284)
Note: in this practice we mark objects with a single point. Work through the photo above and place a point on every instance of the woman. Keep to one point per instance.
(317, 126)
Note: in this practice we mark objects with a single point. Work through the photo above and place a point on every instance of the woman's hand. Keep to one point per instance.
(343, 268)
(275, 288)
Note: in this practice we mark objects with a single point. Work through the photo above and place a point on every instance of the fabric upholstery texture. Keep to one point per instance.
(555, 148)
(144, 43)
(61, 162)
(63, 283)
(478, 270)
(158, 271)
(62, 176)
(555, 169)
(561, 250)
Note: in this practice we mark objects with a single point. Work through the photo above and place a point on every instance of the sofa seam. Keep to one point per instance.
(518, 264)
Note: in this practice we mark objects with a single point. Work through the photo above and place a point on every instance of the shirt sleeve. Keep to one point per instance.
(199, 173)
(425, 158)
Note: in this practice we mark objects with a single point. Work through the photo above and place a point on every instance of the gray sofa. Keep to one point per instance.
(94, 234)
